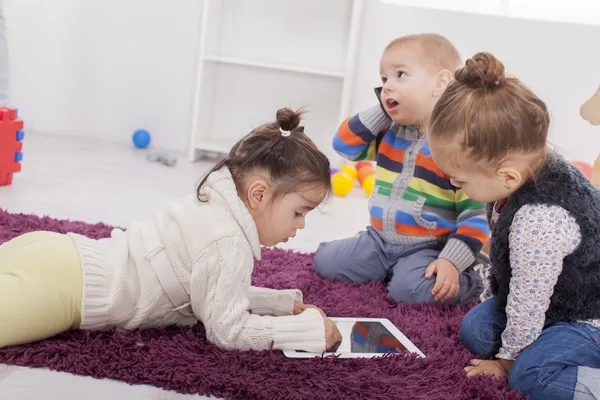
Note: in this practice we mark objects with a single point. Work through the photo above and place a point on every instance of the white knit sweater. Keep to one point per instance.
(192, 262)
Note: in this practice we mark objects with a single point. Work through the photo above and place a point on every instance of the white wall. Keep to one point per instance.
(106, 68)
(560, 62)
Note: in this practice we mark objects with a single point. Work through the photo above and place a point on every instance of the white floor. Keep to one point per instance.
(93, 181)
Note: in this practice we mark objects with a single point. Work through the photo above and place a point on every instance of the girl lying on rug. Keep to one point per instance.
(192, 261)
(489, 133)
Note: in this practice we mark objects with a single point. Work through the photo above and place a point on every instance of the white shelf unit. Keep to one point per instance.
(257, 56)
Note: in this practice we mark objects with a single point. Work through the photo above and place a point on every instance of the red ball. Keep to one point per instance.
(362, 164)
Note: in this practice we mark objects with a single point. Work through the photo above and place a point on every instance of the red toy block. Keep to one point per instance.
(11, 135)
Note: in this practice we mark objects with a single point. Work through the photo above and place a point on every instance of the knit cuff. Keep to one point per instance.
(304, 332)
(458, 253)
(95, 305)
(264, 301)
(374, 119)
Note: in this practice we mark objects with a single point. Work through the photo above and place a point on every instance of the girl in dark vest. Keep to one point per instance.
(488, 133)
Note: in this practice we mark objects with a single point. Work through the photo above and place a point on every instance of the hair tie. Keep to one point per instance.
(497, 83)
(285, 133)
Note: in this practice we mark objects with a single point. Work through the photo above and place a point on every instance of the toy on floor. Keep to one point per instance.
(368, 185)
(343, 179)
(366, 176)
(11, 136)
(141, 138)
(361, 164)
(350, 170)
(162, 158)
(341, 183)
(365, 172)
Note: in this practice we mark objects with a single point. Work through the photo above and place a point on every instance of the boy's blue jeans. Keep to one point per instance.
(563, 363)
(367, 257)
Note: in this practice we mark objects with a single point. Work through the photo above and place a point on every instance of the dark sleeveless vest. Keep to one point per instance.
(577, 292)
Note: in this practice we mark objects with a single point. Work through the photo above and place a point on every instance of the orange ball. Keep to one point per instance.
(365, 172)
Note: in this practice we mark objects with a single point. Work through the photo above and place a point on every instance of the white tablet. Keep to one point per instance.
(364, 338)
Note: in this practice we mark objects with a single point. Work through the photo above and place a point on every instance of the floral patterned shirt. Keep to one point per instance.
(541, 236)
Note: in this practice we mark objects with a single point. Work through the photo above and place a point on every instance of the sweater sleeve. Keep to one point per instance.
(220, 297)
(540, 237)
(472, 232)
(265, 301)
(356, 136)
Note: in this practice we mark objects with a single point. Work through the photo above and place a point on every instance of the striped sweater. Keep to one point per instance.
(413, 202)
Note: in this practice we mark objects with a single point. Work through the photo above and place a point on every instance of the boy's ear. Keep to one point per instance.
(444, 77)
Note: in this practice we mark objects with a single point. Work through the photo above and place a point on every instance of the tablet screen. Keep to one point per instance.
(365, 337)
(373, 337)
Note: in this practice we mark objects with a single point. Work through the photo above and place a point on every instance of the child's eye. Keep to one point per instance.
(383, 79)
(298, 215)
(401, 74)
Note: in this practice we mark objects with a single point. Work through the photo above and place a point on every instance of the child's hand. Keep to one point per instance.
(446, 282)
(299, 308)
(498, 368)
(332, 334)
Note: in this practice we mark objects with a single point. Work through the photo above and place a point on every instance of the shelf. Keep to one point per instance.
(234, 111)
(274, 66)
(292, 32)
(264, 50)
(214, 146)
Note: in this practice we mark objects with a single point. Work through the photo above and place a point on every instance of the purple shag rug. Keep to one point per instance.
(182, 360)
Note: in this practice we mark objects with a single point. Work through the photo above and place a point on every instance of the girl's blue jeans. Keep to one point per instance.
(562, 363)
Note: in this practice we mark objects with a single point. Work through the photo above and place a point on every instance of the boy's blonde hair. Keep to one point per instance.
(438, 51)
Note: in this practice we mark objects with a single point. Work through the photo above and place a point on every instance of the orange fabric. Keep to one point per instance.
(473, 232)
(393, 154)
(347, 136)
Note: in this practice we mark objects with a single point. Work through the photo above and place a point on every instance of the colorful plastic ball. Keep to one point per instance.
(141, 138)
(342, 184)
(585, 168)
(364, 172)
(350, 170)
(369, 184)
(362, 164)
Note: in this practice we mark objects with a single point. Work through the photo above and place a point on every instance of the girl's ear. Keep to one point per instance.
(258, 195)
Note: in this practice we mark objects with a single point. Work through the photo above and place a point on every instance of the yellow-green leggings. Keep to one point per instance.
(40, 287)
